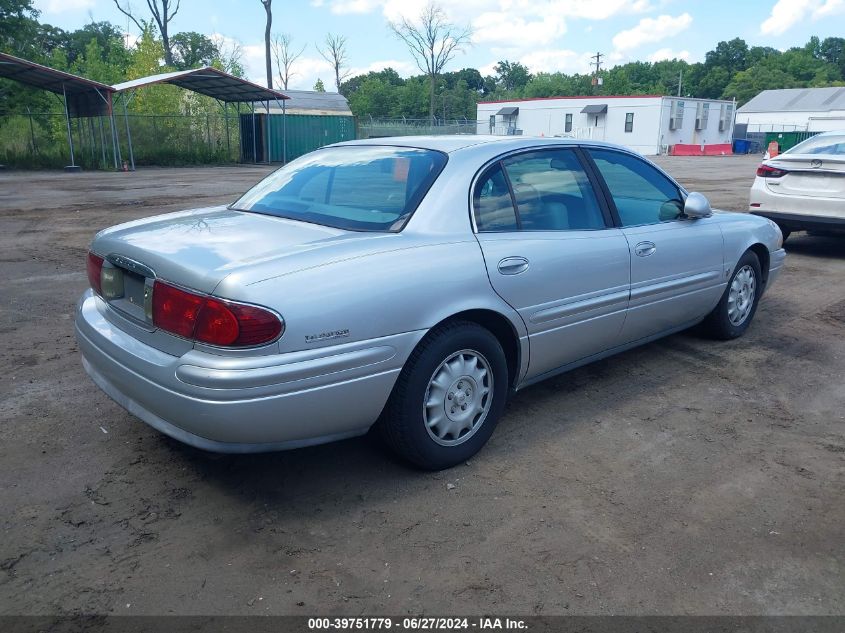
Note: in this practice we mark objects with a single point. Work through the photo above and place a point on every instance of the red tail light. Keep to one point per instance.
(175, 310)
(95, 269)
(766, 171)
(210, 320)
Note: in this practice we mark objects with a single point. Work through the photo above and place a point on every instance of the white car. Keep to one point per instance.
(803, 189)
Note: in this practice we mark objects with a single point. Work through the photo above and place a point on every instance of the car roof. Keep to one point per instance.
(449, 143)
(830, 133)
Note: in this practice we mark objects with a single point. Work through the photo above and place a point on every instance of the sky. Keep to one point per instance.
(545, 35)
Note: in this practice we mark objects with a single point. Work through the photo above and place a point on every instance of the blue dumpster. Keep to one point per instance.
(741, 146)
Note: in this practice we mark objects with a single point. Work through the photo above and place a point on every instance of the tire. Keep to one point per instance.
(732, 316)
(426, 394)
(785, 232)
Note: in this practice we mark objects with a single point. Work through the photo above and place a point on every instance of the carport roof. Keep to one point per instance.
(84, 96)
(210, 82)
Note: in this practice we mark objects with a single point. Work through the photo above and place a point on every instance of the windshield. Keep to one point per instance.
(827, 144)
(356, 187)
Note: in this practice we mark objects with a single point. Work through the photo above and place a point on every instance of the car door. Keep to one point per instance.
(552, 254)
(677, 264)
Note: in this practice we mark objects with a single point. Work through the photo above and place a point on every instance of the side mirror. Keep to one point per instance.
(697, 206)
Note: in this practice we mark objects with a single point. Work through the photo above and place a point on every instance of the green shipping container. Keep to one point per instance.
(787, 140)
(305, 133)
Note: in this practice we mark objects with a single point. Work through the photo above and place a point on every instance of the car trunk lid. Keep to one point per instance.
(198, 249)
(812, 176)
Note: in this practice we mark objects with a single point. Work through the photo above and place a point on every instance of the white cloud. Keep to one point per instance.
(557, 60)
(651, 30)
(308, 69)
(787, 13)
(342, 7)
(501, 29)
(62, 6)
(482, 13)
(404, 68)
(830, 7)
(667, 53)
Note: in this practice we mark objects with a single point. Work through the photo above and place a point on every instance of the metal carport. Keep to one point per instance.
(82, 98)
(208, 81)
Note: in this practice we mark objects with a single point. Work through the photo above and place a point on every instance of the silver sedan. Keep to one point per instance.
(409, 284)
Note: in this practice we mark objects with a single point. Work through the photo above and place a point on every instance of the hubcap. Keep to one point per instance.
(458, 397)
(741, 295)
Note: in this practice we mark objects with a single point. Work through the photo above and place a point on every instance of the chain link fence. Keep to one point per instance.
(40, 140)
(379, 128)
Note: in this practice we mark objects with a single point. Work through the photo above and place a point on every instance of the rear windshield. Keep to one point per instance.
(361, 188)
(831, 145)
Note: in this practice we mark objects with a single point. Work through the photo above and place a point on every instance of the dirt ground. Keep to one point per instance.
(685, 477)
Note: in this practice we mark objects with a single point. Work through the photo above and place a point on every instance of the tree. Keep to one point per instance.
(335, 53)
(512, 75)
(749, 83)
(163, 12)
(732, 55)
(285, 56)
(193, 50)
(18, 22)
(229, 56)
(432, 41)
(833, 52)
(268, 24)
(319, 87)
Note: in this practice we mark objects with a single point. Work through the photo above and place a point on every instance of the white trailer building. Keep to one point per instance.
(648, 124)
(795, 109)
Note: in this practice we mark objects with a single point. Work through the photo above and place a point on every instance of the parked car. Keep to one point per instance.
(411, 283)
(803, 189)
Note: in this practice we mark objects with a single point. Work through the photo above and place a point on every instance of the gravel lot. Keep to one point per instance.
(685, 477)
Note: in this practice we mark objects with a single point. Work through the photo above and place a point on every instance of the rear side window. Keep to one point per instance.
(831, 145)
(551, 191)
(493, 203)
(361, 188)
(642, 194)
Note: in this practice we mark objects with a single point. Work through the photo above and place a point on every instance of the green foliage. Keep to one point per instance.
(511, 75)
(18, 24)
(731, 70)
(98, 50)
(319, 87)
(193, 50)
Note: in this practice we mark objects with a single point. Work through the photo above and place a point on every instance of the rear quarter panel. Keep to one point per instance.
(407, 289)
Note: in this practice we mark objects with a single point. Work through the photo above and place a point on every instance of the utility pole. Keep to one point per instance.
(597, 57)
(680, 81)
(596, 79)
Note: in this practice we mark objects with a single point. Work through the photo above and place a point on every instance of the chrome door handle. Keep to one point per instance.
(644, 249)
(513, 265)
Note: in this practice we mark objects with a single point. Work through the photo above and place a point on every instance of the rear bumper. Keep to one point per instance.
(801, 222)
(243, 404)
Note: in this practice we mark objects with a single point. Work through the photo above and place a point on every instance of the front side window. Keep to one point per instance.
(642, 194)
(360, 188)
(567, 127)
(629, 122)
(550, 189)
